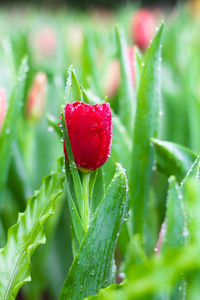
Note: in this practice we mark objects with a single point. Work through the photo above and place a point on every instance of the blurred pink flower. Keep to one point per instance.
(142, 28)
(46, 42)
(37, 98)
(113, 77)
(131, 57)
(3, 106)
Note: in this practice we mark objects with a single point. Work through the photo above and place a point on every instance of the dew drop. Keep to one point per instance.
(185, 232)
(180, 196)
(86, 111)
(161, 113)
(50, 129)
(94, 126)
(93, 273)
(62, 139)
(154, 168)
(96, 136)
(7, 131)
(122, 275)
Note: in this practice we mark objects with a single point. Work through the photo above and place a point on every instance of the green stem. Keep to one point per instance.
(86, 209)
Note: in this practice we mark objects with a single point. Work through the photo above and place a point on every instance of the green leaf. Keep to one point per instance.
(72, 164)
(18, 180)
(193, 173)
(173, 159)
(145, 127)
(138, 67)
(98, 190)
(8, 131)
(127, 98)
(153, 276)
(174, 237)
(27, 234)
(76, 220)
(53, 123)
(93, 267)
(89, 58)
(72, 90)
(8, 51)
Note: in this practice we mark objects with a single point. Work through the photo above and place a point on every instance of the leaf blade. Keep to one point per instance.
(91, 270)
(145, 127)
(27, 234)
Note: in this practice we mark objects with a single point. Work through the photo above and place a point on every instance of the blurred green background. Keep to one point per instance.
(54, 36)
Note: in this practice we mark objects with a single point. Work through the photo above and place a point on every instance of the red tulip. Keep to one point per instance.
(90, 133)
(3, 106)
(143, 28)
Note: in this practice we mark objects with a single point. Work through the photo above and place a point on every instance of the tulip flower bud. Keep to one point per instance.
(113, 77)
(46, 42)
(90, 133)
(142, 28)
(131, 57)
(3, 106)
(37, 98)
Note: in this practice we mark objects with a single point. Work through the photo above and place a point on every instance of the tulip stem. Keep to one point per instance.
(86, 208)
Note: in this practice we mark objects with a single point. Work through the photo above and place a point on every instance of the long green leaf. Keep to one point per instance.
(8, 131)
(127, 101)
(138, 67)
(93, 267)
(72, 89)
(173, 159)
(145, 127)
(98, 190)
(18, 181)
(75, 218)
(74, 171)
(27, 234)
(72, 93)
(174, 237)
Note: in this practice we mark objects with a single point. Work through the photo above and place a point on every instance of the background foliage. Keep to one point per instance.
(165, 116)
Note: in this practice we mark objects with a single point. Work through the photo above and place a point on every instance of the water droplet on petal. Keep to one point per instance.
(93, 126)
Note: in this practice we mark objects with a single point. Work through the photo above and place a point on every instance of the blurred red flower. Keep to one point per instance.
(90, 133)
